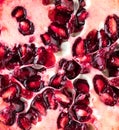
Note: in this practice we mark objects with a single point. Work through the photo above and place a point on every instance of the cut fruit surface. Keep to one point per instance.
(59, 65)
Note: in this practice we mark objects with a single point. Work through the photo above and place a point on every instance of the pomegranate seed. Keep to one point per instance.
(26, 94)
(81, 112)
(23, 73)
(72, 125)
(58, 31)
(43, 56)
(49, 99)
(18, 105)
(60, 14)
(81, 3)
(108, 96)
(72, 69)
(111, 26)
(82, 15)
(62, 62)
(81, 86)
(39, 104)
(113, 71)
(11, 92)
(4, 81)
(7, 116)
(62, 120)
(91, 41)
(99, 60)
(104, 40)
(19, 13)
(113, 60)
(74, 25)
(26, 27)
(63, 98)
(33, 115)
(23, 122)
(46, 38)
(27, 53)
(34, 83)
(78, 47)
(100, 83)
(82, 98)
(57, 81)
(47, 2)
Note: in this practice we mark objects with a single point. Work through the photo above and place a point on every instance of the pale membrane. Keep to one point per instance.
(104, 117)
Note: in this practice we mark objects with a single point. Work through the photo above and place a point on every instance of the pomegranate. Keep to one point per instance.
(59, 65)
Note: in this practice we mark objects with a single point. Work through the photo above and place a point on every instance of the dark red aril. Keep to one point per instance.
(11, 92)
(100, 83)
(113, 60)
(81, 86)
(73, 125)
(26, 93)
(7, 116)
(62, 120)
(78, 48)
(19, 12)
(23, 73)
(26, 27)
(47, 2)
(60, 14)
(43, 56)
(72, 69)
(111, 27)
(46, 38)
(34, 83)
(108, 96)
(39, 104)
(4, 81)
(49, 99)
(91, 41)
(82, 15)
(81, 112)
(57, 81)
(104, 40)
(58, 31)
(74, 25)
(24, 122)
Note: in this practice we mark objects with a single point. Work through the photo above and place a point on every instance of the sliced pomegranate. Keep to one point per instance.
(58, 31)
(81, 112)
(78, 47)
(49, 98)
(72, 69)
(39, 104)
(108, 96)
(11, 92)
(111, 26)
(62, 120)
(19, 12)
(26, 27)
(34, 83)
(7, 116)
(100, 83)
(91, 41)
(57, 81)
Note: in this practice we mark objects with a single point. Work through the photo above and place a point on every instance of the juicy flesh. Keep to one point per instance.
(9, 35)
